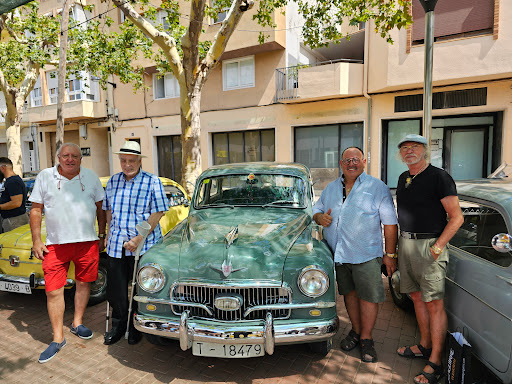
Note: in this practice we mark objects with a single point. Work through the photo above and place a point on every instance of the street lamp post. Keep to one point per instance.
(428, 6)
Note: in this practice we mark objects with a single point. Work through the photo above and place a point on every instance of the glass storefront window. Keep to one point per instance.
(319, 148)
(397, 129)
(239, 147)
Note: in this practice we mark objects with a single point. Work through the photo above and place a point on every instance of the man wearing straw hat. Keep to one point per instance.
(131, 196)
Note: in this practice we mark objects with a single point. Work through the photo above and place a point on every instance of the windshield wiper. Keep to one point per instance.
(218, 205)
(278, 202)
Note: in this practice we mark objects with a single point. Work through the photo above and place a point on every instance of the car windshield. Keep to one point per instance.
(265, 190)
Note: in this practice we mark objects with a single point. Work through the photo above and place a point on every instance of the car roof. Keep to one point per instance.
(496, 190)
(292, 169)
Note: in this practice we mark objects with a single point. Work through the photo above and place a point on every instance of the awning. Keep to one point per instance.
(7, 5)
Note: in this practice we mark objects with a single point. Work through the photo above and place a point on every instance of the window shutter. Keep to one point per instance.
(453, 17)
(52, 86)
(247, 72)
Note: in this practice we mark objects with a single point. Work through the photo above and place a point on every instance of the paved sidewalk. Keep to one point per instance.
(25, 332)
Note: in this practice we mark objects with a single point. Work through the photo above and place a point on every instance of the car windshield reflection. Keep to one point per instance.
(265, 190)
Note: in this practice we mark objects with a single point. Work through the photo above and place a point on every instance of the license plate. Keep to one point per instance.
(15, 287)
(227, 350)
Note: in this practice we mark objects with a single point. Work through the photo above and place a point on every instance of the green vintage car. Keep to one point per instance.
(245, 271)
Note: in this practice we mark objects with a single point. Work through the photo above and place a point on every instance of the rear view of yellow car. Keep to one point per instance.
(21, 272)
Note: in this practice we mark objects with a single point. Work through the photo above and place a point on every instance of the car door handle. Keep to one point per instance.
(504, 278)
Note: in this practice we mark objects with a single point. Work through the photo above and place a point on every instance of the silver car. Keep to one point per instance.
(479, 275)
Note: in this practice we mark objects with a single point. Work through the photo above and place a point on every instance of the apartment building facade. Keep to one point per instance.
(280, 101)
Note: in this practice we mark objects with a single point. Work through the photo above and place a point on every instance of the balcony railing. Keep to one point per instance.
(287, 79)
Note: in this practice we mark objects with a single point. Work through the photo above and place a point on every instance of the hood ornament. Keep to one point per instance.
(226, 268)
(231, 236)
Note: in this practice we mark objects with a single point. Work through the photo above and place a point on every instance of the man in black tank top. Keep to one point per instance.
(429, 215)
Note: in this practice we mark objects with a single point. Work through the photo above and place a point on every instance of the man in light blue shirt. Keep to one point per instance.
(351, 209)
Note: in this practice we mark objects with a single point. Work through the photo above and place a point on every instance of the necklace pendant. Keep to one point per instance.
(408, 182)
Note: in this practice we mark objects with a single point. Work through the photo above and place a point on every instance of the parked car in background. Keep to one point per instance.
(478, 297)
(21, 272)
(243, 273)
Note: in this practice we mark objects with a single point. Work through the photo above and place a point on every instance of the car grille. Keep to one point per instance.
(252, 296)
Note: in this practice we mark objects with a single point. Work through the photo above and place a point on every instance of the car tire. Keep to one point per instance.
(158, 340)
(321, 348)
(401, 300)
(99, 287)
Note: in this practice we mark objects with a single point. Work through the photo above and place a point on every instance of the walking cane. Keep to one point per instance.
(143, 229)
(107, 317)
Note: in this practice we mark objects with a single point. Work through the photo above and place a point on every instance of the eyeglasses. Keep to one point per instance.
(414, 147)
(353, 160)
(69, 156)
(79, 179)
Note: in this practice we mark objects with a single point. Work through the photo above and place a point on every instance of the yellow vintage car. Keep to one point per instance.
(21, 272)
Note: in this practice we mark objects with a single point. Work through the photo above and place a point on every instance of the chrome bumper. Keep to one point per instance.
(31, 280)
(188, 329)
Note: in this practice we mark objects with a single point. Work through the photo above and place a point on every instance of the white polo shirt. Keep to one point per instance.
(69, 205)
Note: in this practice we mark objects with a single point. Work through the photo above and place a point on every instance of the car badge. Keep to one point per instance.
(226, 268)
(14, 261)
(231, 237)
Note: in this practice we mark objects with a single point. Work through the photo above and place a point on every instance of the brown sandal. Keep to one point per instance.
(350, 342)
(367, 349)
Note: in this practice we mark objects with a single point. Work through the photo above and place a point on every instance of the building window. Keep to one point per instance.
(166, 86)
(36, 96)
(467, 146)
(243, 146)
(51, 81)
(169, 157)
(454, 19)
(320, 147)
(238, 73)
(122, 17)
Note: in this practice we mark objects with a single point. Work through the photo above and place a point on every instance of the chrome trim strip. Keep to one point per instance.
(214, 332)
(39, 282)
(232, 284)
(328, 304)
(23, 262)
(480, 300)
(145, 299)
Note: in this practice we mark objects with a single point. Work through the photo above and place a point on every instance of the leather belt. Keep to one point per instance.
(418, 236)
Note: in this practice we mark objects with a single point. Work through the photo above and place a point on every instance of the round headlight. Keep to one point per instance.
(151, 278)
(313, 281)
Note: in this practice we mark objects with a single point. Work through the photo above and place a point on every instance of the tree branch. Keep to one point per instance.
(190, 40)
(31, 75)
(222, 37)
(12, 34)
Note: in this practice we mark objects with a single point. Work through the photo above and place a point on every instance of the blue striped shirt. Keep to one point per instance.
(131, 202)
(355, 233)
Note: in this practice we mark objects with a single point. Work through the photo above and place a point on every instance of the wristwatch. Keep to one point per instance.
(436, 249)
(392, 255)
(102, 236)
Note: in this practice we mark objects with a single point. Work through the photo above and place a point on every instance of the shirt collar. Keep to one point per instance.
(359, 179)
(57, 175)
(139, 175)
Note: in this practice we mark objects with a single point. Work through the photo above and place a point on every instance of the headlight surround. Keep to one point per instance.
(313, 281)
(151, 278)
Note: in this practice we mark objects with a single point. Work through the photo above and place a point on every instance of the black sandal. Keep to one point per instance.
(367, 349)
(434, 377)
(350, 342)
(424, 353)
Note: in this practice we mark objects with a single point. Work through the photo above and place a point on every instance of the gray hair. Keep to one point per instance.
(77, 147)
(426, 153)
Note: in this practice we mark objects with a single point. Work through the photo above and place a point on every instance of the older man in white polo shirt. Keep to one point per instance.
(71, 197)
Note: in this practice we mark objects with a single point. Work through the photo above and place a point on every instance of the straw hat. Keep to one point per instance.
(130, 148)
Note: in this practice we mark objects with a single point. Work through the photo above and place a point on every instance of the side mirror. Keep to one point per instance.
(175, 201)
(502, 242)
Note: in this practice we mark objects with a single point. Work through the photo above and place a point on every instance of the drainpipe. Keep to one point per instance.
(365, 90)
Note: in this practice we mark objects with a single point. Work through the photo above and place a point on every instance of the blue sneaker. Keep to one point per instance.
(81, 331)
(51, 351)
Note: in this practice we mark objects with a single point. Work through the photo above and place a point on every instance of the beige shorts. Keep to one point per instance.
(419, 272)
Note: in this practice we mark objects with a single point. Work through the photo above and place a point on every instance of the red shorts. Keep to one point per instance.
(85, 255)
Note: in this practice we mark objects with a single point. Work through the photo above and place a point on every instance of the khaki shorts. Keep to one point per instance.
(419, 272)
(10, 223)
(365, 279)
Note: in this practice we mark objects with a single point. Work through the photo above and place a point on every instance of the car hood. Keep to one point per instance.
(20, 237)
(258, 251)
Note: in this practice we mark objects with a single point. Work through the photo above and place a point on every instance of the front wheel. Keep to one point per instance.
(401, 300)
(321, 348)
(99, 287)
